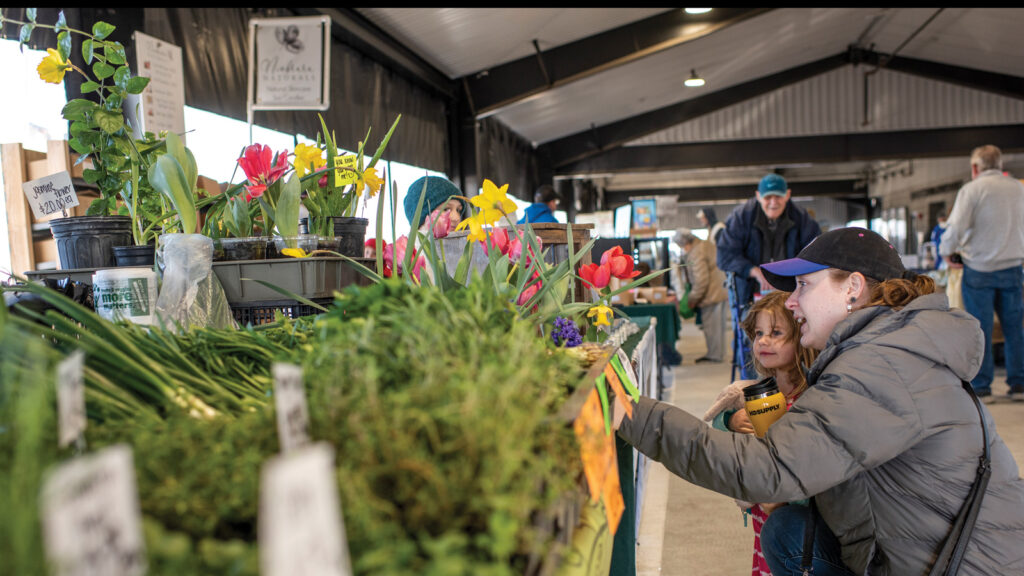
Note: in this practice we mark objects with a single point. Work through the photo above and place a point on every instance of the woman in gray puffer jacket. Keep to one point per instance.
(885, 439)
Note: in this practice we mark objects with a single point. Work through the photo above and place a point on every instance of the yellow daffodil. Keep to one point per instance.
(53, 67)
(308, 159)
(603, 313)
(493, 203)
(476, 229)
(369, 180)
(295, 253)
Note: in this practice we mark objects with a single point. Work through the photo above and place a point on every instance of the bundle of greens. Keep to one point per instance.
(440, 406)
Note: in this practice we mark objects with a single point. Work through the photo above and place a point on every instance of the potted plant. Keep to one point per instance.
(99, 134)
(278, 197)
(333, 198)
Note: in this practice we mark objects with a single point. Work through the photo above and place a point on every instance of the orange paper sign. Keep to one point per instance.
(613, 502)
(620, 392)
(597, 449)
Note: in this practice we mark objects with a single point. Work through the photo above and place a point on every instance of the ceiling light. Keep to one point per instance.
(697, 10)
(694, 80)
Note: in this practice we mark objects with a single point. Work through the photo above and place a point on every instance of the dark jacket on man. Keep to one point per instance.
(748, 241)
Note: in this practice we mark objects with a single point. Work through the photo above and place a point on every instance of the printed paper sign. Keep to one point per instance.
(90, 516)
(300, 526)
(50, 194)
(290, 401)
(163, 100)
(627, 365)
(344, 177)
(70, 399)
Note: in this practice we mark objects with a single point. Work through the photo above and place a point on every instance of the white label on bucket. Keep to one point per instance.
(125, 294)
(50, 194)
(70, 399)
(91, 518)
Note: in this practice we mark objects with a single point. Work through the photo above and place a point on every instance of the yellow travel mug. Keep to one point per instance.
(764, 404)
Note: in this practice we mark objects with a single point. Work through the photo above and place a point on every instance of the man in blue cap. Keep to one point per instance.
(766, 228)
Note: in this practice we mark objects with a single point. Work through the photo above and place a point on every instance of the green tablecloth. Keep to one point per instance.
(669, 322)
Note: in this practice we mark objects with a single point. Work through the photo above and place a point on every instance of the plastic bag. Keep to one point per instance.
(190, 294)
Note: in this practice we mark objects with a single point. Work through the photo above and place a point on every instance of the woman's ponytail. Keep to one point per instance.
(898, 292)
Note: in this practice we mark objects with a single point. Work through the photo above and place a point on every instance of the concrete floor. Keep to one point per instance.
(686, 530)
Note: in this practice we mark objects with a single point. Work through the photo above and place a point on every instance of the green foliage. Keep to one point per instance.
(101, 133)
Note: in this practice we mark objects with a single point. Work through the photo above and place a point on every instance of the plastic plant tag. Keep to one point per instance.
(50, 194)
(344, 177)
(90, 516)
(70, 399)
(625, 369)
(620, 393)
(300, 525)
(290, 403)
(597, 449)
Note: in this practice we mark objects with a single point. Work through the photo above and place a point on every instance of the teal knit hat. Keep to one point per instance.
(439, 190)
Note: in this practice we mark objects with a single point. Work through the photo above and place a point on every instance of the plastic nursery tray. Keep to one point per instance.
(257, 313)
(311, 278)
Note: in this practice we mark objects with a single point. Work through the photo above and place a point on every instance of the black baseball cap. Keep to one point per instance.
(850, 249)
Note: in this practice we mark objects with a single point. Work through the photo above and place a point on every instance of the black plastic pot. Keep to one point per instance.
(89, 241)
(135, 255)
(350, 231)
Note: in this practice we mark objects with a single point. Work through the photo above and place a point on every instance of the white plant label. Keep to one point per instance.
(301, 532)
(628, 367)
(50, 194)
(290, 402)
(90, 516)
(70, 399)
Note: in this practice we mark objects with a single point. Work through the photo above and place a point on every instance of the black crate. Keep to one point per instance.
(262, 312)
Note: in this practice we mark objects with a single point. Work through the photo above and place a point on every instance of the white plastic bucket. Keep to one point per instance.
(127, 293)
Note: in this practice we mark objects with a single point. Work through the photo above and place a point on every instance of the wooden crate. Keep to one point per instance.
(553, 238)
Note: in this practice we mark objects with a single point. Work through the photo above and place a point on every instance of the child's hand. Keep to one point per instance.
(740, 422)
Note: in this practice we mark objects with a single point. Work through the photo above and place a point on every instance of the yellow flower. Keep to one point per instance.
(493, 203)
(369, 180)
(308, 159)
(53, 67)
(602, 312)
(295, 253)
(476, 230)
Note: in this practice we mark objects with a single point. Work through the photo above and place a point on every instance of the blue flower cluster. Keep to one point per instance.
(566, 333)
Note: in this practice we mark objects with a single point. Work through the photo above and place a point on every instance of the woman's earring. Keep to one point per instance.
(849, 307)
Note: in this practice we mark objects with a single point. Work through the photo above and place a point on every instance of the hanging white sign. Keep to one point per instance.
(289, 63)
(300, 526)
(162, 103)
(91, 518)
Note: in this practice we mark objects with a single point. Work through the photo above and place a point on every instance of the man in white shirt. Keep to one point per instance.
(986, 230)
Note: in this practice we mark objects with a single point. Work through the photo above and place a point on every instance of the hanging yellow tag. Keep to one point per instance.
(344, 177)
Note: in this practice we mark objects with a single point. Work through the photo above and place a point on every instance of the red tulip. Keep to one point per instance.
(261, 168)
(619, 264)
(530, 290)
(596, 276)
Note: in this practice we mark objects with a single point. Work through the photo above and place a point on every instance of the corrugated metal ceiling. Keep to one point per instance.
(461, 41)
